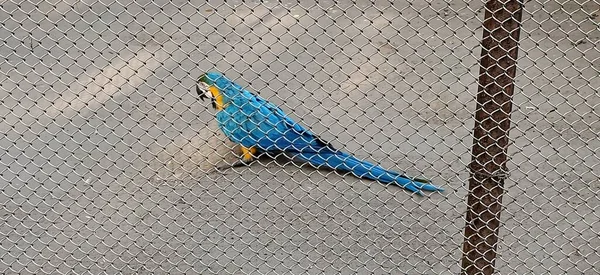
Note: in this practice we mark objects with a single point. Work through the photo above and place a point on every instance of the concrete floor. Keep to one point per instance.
(109, 155)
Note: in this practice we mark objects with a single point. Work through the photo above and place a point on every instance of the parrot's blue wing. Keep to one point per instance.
(254, 122)
(273, 130)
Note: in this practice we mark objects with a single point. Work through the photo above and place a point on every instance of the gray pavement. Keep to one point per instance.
(108, 157)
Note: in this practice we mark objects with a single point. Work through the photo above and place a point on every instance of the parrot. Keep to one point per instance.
(259, 126)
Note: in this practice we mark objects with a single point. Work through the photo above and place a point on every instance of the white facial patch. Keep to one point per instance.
(205, 88)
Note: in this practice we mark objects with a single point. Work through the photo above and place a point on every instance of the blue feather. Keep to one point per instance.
(251, 121)
(344, 162)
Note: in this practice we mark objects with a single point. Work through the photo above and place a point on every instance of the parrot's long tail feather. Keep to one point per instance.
(344, 162)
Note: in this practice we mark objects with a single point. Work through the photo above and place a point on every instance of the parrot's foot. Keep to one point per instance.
(248, 156)
(238, 163)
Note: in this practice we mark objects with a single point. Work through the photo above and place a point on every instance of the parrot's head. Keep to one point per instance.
(218, 88)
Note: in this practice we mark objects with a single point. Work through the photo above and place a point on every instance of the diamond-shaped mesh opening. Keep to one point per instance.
(108, 155)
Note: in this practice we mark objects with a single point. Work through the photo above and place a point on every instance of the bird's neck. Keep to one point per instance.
(219, 102)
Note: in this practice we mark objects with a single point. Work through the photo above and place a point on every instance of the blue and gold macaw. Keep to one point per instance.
(261, 127)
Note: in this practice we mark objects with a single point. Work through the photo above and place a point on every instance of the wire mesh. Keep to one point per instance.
(108, 155)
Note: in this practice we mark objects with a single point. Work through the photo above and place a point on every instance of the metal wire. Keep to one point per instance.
(108, 156)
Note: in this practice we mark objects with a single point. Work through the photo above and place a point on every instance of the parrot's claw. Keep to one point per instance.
(238, 163)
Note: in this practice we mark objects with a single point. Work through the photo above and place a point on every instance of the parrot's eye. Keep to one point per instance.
(204, 86)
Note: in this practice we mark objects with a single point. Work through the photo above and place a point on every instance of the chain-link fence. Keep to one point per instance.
(108, 155)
